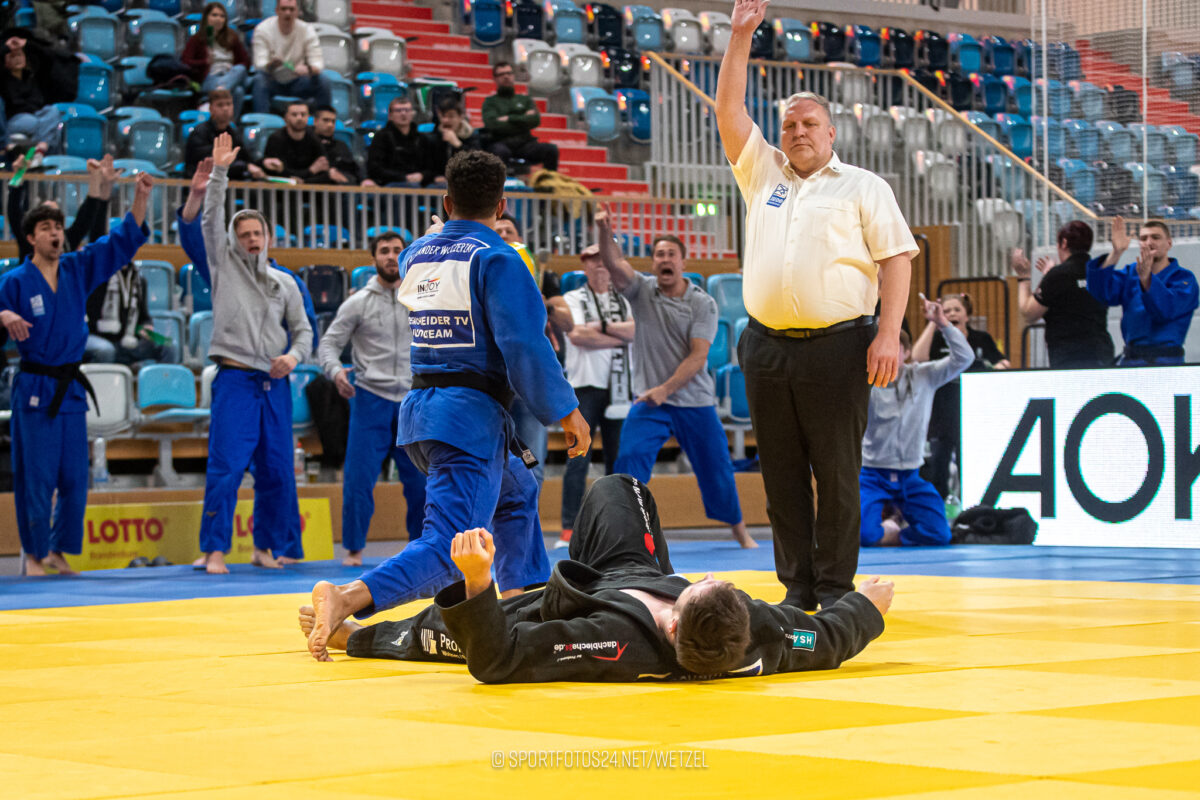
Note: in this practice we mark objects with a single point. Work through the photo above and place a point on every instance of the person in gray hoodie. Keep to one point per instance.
(375, 323)
(251, 405)
(894, 445)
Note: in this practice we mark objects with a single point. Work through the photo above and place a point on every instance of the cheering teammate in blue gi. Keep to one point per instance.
(251, 405)
(375, 323)
(477, 323)
(43, 306)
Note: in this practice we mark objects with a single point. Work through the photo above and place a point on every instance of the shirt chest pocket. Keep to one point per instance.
(831, 220)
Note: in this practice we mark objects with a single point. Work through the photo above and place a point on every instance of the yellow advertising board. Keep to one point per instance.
(114, 535)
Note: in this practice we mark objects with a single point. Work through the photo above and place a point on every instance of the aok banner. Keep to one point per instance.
(1103, 457)
(114, 535)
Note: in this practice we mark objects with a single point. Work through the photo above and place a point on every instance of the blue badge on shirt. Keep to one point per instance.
(778, 196)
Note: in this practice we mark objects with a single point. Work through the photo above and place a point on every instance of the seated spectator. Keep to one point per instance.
(119, 323)
(893, 447)
(945, 426)
(509, 117)
(220, 120)
(1158, 297)
(27, 112)
(1076, 323)
(293, 151)
(397, 156)
(217, 58)
(452, 135)
(343, 169)
(288, 59)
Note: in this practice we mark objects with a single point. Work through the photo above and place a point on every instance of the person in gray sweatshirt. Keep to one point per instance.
(251, 398)
(894, 445)
(375, 323)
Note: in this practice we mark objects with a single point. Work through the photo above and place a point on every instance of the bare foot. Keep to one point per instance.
(214, 563)
(331, 606)
(879, 592)
(59, 562)
(263, 558)
(891, 533)
(338, 639)
(353, 559)
(33, 567)
(201, 562)
(283, 561)
(742, 537)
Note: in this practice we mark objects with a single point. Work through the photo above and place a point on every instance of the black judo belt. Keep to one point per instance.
(64, 375)
(502, 393)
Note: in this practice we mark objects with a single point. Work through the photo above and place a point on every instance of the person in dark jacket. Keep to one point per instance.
(293, 151)
(509, 120)
(119, 323)
(343, 170)
(27, 96)
(220, 120)
(397, 155)
(614, 612)
(452, 136)
(216, 56)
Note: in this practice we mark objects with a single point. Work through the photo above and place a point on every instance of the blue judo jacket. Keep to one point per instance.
(474, 307)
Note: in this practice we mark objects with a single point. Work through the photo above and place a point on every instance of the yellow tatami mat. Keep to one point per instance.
(980, 689)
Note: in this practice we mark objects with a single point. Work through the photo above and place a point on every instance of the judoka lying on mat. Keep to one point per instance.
(613, 612)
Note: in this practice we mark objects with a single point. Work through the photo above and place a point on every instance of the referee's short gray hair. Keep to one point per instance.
(813, 97)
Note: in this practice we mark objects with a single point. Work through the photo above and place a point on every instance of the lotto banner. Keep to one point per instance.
(114, 535)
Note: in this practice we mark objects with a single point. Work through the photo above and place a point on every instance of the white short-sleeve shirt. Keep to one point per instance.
(812, 244)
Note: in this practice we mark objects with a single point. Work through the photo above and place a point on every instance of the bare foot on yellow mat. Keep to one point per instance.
(879, 592)
(353, 559)
(33, 567)
(263, 558)
(331, 606)
(283, 561)
(742, 537)
(59, 562)
(338, 639)
(214, 563)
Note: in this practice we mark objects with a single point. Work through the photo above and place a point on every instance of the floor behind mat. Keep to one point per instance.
(981, 687)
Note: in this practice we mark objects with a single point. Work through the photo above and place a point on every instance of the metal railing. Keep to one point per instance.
(325, 217)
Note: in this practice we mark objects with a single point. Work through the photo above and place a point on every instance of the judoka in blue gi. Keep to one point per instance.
(251, 405)
(375, 323)
(477, 323)
(43, 306)
(1157, 296)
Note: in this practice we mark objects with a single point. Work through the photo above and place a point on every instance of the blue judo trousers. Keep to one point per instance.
(914, 496)
(251, 425)
(372, 440)
(698, 431)
(50, 450)
(475, 313)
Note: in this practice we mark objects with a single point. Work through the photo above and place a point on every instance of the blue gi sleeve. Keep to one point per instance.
(1172, 294)
(1104, 283)
(517, 315)
(191, 238)
(101, 259)
(309, 310)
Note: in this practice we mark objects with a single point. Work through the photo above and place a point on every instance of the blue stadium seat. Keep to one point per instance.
(200, 330)
(64, 165)
(862, 46)
(195, 289)
(726, 289)
(322, 236)
(188, 120)
(487, 22)
(990, 94)
(1183, 189)
(95, 85)
(360, 276)
(1180, 74)
(1017, 133)
(739, 328)
(99, 34)
(160, 280)
(984, 122)
(1081, 180)
(171, 387)
(256, 129)
(150, 140)
(566, 21)
(1025, 52)
(1116, 142)
(298, 381)
(1155, 149)
(376, 90)
(405, 233)
(635, 112)
(605, 26)
(133, 166)
(1072, 68)
(1083, 140)
(1050, 134)
(731, 390)
(1058, 97)
(643, 28)
(599, 110)
(1145, 175)
(172, 325)
(172, 8)
(161, 37)
(83, 130)
(572, 280)
(1020, 94)
(1009, 177)
(718, 351)
(966, 55)
(997, 56)
(342, 98)
(1088, 101)
(133, 74)
(1181, 145)
(793, 40)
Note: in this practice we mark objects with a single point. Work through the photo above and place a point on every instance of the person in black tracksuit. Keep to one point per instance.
(585, 625)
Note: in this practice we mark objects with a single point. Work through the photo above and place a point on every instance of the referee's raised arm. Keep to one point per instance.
(733, 122)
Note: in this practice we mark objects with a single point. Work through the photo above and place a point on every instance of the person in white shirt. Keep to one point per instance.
(288, 60)
(598, 368)
(824, 242)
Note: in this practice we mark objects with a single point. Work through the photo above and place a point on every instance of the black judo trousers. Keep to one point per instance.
(582, 627)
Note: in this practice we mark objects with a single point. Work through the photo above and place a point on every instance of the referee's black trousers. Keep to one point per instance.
(808, 404)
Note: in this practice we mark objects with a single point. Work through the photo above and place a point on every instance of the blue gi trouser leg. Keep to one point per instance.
(698, 431)
(924, 510)
(49, 454)
(276, 507)
(372, 438)
(874, 492)
(646, 429)
(234, 433)
(517, 530)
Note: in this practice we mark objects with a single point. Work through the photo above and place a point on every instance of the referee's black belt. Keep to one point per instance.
(64, 375)
(812, 333)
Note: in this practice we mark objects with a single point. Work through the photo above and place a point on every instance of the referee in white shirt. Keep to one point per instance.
(824, 242)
